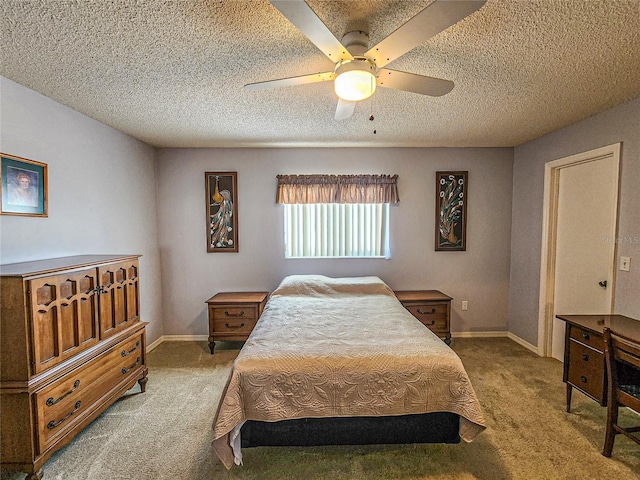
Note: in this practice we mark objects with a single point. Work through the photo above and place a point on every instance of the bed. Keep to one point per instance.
(341, 361)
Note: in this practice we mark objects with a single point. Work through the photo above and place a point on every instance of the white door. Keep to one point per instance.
(585, 242)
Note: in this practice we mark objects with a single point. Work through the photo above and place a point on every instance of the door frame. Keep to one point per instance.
(552, 171)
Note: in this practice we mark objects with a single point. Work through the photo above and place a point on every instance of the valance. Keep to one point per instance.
(337, 189)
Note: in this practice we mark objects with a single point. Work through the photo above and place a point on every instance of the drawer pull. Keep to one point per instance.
(53, 424)
(584, 379)
(51, 401)
(433, 310)
(127, 370)
(234, 326)
(234, 314)
(586, 336)
(430, 324)
(125, 353)
(585, 357)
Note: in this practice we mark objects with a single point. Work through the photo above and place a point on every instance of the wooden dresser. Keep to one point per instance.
(232, 315)
(431, 307)
(71, 342)
(584, 367)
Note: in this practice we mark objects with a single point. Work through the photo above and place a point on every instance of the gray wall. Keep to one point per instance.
(620, 124)
(102, 198)
(191, 275)
(102, 190)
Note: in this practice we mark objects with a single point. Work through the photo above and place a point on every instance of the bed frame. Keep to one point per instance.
(438, 427)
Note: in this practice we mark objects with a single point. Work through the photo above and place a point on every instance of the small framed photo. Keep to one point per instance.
(222, 211)
(451, 211)
(24, 186)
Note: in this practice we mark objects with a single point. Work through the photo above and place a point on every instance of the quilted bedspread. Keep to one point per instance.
(340, 347)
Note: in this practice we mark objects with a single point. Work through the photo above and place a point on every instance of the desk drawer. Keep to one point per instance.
(587, 337)
(586, 370)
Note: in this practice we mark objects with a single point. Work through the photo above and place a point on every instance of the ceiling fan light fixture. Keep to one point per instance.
(355, 79)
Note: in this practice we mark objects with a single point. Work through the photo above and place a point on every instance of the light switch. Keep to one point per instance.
(625, 263)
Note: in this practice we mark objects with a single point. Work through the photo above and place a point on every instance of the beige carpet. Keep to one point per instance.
(165, 433)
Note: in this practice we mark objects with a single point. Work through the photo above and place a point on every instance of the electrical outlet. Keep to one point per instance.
(465, 305)
(625, 263)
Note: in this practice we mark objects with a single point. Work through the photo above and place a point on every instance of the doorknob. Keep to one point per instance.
(603, 284)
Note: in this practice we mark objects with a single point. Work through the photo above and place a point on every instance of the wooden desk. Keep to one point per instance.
(584, 367)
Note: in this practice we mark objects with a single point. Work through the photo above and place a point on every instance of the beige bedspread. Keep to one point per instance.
(327, 347)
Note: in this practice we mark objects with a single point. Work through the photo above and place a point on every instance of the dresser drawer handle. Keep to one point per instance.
(51, 401)
(234, 326)
(584, 379)
(586, 336)
(430, 324)
(433, 310)
(585, 357)
(127, 370)
(234, 314)
(53, 424)
(125, 353)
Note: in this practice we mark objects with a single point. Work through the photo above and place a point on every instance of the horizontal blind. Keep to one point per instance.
(316, 230)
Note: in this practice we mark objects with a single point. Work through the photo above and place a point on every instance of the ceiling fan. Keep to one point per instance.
(358, 68)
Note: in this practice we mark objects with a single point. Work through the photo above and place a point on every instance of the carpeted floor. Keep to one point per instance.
(166, 433)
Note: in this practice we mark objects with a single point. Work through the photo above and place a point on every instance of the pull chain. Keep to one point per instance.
(373, 110)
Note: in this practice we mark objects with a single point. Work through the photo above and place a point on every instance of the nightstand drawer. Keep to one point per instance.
(433, 316)
(233, 325)
(236, 312)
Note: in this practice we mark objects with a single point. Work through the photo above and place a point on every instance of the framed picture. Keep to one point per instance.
(222, 211)
(24, 186)
(451, 211)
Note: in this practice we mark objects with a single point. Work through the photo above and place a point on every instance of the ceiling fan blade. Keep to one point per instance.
(410, 82)
(344, 109)
(291, 81)
(437, 17)
(306, 20)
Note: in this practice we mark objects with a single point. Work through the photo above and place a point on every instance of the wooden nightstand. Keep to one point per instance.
(232, 315)
(432, 308)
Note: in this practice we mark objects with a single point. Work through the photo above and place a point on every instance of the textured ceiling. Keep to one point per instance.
(171, 73)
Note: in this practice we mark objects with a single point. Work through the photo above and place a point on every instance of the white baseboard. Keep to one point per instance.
(201, 338)
(524, 343)
(478, 334)
(508, 335)
(177, 338)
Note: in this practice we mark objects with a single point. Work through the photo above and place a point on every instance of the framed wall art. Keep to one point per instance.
(222, 211)
(451, 210)
(24, 186)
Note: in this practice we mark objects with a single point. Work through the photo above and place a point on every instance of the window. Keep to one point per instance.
(336, 215)
(315, 230)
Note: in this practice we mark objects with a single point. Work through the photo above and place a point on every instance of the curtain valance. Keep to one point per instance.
(337, 189)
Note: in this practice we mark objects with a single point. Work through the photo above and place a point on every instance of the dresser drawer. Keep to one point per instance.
(586, 369)
(587, 337)
(63, 404)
